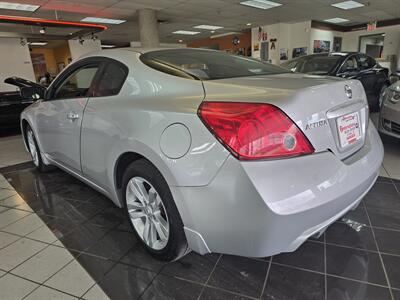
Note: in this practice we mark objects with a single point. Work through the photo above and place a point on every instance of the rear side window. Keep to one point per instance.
(207, 65)
(112, 80)
(365, 62)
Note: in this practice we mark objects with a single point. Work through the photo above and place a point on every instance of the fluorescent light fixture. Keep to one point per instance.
(208, 27)
(107, 46)
(336, 20)
(261, 4)
(18, 6)
(186, 32)
(224, 34)
(348, 5)
(103, 20)
(37, 43)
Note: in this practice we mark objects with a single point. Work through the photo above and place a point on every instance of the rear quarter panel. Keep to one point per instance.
(134, 121)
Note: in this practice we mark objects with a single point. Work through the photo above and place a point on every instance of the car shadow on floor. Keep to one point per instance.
(357, 258)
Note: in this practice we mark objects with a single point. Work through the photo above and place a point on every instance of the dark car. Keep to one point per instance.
(12, 103)
(350, 65)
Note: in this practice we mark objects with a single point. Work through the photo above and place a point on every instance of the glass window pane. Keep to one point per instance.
(207, 65)
(77, 84)
(112, 80)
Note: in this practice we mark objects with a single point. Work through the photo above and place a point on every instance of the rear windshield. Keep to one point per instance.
(318, 65)
(207, 65)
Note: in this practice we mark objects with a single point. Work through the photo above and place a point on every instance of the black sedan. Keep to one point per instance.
(12, 103)
(350, 65)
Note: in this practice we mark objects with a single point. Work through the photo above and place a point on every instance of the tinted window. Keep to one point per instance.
(318, 64)
(207, 65)
(365, 62)
(112, 80)
(77, 84)
(291, 65)
(350, 65)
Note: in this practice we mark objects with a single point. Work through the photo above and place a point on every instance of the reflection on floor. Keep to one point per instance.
(357, 258)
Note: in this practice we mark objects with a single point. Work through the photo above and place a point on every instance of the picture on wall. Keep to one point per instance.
(284, 55)
(321, 46)
(299, 52)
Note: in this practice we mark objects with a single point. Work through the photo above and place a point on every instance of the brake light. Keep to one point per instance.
(254, 130)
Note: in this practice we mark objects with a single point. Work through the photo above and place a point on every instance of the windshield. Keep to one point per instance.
(207, 65)
(317, 64)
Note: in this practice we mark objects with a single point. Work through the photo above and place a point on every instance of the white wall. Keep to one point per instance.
(288, 36)
(323, 35)
(391, 45)
(15, 60)
(77, 49)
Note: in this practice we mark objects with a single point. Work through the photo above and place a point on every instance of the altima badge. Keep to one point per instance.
(348, 91)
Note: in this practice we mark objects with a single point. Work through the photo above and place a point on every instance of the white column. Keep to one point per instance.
(148, 28)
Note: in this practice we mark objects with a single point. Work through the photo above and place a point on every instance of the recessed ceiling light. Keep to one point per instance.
(18, 6)
(336, 20)
(248, 24)
(212, 31)
(37, 43)
(348, 5)
(261, 4)
(102, 20)
(180, 41)
(186, 32)
(107, 46)
(208, 27)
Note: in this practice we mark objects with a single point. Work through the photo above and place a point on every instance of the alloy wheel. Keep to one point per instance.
(147, 213)
(32, 148)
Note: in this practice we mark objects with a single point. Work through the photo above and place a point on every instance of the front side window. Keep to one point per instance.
(112, 80)
(207, 65)
(350, 65)
(318, 64)
(77, 85)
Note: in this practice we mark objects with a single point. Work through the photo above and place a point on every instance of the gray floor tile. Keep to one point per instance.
(72, 279)
(5, 193)
(6, 239)
(11, 216)
(44, 264)
(16, 201)
(45, 293)
(25, 225)
(18, 252)
(43, 234)
(95, 293)
(15, 288)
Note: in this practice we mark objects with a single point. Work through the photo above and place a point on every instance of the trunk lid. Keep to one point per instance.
(326, 109)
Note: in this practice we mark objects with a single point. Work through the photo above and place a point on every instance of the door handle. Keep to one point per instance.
(72, 116)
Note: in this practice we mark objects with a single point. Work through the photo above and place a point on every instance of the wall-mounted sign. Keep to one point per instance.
(371, 26)
(262, 36)
(273, 41)
(322, 46)
(235, 41)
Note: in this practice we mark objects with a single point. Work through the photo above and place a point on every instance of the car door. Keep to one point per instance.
(99, 131)
(367, 75)
(60, 115)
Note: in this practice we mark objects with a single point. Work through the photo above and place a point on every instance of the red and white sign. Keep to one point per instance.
(349, 129)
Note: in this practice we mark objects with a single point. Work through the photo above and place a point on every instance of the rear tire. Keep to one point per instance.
(152, 212)
(34, 151)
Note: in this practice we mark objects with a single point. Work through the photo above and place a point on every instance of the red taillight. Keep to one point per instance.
(254, 130)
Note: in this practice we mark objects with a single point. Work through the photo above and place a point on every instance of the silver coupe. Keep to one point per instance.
(207, 151)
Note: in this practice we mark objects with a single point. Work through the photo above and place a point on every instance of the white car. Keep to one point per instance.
(207, 151)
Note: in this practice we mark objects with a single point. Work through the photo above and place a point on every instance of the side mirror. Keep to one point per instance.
(32, 93)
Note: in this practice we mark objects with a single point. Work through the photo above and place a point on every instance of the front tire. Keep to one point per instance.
(152, 212)
(34, 151)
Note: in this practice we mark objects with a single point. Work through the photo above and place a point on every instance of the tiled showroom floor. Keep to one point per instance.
(59, 239)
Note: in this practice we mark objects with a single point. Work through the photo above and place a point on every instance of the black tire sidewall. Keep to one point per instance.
(41, 167)
(176, 245)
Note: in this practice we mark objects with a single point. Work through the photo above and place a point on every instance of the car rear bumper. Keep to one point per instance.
(263, 208)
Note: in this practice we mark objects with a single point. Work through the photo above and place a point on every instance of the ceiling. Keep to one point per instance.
(184, 14)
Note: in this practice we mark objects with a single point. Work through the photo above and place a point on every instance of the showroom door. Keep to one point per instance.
(59, 124)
